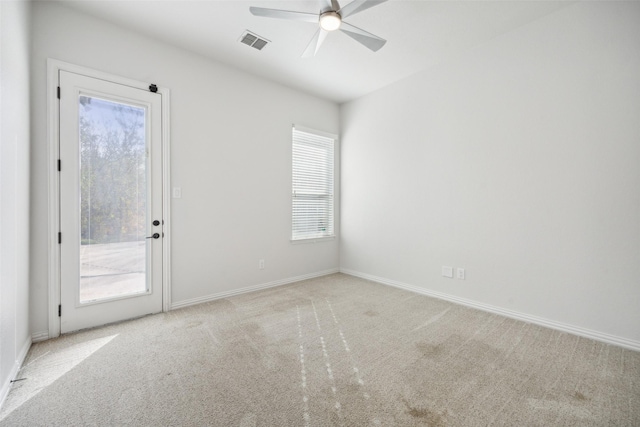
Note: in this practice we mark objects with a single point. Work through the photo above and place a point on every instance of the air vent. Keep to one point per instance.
(253, 40)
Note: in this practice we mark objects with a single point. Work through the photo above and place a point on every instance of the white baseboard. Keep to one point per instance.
(39, 336)
(226, 294)
(564, 327)
(23, 352)
(6, 386)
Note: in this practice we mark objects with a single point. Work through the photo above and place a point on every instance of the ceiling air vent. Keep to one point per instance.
(253, 40)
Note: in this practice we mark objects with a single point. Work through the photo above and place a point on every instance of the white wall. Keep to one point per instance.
(15, 337)
(519, 161)
(230, 154)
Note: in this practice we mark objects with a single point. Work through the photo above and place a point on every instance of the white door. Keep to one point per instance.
(110, 202)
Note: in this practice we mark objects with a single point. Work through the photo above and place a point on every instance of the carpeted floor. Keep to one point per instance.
(336, 350)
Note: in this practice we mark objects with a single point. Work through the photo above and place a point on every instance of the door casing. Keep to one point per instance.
(53, 113)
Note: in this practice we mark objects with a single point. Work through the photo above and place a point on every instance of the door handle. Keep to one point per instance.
(154, 236)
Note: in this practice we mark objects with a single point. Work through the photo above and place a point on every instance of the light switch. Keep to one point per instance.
(177, 192)
(447, 271)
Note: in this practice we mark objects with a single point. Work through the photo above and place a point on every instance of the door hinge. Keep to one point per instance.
(59, 310)
(58, 92)
(153, 88)
(59, 165)
(59, 237)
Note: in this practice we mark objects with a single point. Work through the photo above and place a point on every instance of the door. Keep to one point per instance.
(110, 202)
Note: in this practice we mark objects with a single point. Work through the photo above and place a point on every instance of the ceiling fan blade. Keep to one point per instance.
(358, 6)
(284, 14)
(369, 40)
(315, 43)
(327, 5)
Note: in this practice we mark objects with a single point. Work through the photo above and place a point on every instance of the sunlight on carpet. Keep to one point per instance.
(43, 370)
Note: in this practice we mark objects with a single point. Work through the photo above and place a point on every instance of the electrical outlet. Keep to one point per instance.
(460, 273)
(261, 264)
(447, 271)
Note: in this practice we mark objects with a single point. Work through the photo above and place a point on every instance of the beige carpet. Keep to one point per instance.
(330, 351)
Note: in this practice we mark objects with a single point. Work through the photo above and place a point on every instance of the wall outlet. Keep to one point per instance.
(460, 273)
(261, 264)
(447, 271)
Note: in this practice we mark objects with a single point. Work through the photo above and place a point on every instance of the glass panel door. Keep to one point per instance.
(111, 252)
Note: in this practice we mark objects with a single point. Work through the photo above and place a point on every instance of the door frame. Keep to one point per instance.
(54, 66)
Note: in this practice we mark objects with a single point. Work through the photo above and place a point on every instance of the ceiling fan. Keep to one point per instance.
(329, 19)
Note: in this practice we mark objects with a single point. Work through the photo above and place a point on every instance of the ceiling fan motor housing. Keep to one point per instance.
(330, 21)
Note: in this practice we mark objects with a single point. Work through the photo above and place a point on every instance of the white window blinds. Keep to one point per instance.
(312, 196)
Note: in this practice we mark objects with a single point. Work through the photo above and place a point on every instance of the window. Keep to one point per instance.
(312, 192)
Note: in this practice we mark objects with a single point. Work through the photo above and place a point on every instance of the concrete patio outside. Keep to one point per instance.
(111, 270)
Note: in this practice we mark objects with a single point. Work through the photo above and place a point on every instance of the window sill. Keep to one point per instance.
(312, 240)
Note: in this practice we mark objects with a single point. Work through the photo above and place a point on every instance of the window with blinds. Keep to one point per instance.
(312, 192)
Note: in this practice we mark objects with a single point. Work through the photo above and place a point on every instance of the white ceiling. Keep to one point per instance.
(419, 34)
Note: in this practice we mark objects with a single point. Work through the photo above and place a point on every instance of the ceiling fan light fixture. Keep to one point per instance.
(330, 21)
